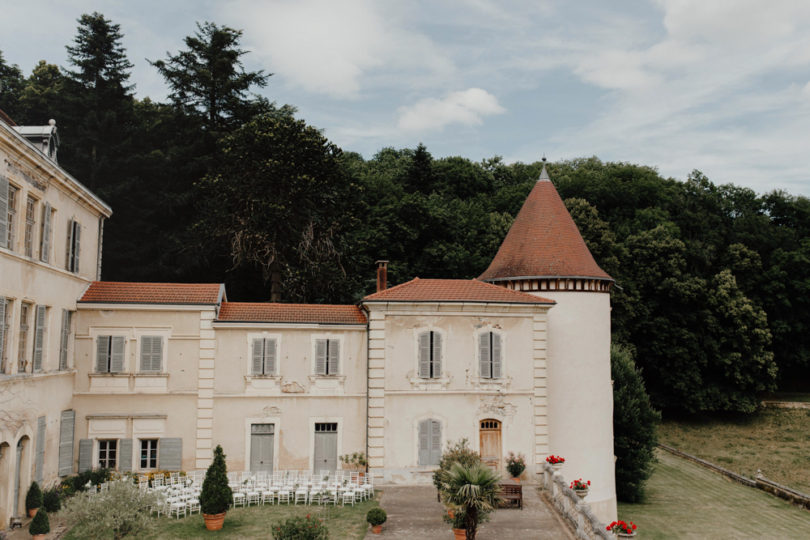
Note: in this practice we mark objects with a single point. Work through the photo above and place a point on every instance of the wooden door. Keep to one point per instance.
(261, 447)
(325, 456)
(490, 434)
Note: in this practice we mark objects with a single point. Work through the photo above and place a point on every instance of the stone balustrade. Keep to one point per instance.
(577, 512)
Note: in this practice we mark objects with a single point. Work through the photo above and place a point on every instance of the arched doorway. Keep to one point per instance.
(6, 485)
(21, 475)
(490, 439)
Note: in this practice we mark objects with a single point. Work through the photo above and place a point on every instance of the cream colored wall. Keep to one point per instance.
(24, 397)
(294, 399)
(581, 394)
(459, 399)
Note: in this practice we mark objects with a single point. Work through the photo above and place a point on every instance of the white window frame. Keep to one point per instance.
(154, 449)
(314, 355)
(117, 452)
(249, 356)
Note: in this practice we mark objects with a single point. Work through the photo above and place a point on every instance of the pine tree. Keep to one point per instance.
(216, 496)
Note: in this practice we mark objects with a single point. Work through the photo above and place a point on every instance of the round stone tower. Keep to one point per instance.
(544, 254)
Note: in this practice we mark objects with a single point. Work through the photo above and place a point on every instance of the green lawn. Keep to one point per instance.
(687, 501)
(774, 440)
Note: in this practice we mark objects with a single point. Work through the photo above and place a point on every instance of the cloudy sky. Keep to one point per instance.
(722, 86)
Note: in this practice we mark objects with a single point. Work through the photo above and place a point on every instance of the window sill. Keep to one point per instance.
(439, 383)
(151, 374)
(259, 384)
(96, 374)
(491, 384)
(327, 384)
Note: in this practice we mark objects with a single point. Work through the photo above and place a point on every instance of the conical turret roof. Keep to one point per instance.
(543, 242)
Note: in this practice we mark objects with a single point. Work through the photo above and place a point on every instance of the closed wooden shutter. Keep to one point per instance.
(77, 235)
(170, 454)
(320, 357)
(437, 355)
(102, 354)
(2, 334)
(497, 361)
(66, 443)
(151, 353)
(258, 356)
(85, 454)
(39, 337)
(424, 442)
(334, 357)
(69, 247)
(117, 354)
(125, 455)
(64, 339)
(484, 364)
(4, 212)
(45, 247)
(435, 442)
(270, 356)
(424, 355)
(40, 458)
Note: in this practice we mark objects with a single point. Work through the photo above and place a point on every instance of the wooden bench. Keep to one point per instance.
(511, 493)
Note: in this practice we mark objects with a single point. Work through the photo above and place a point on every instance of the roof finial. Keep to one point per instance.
(544, 172)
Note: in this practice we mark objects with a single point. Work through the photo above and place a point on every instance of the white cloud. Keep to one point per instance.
(467, 108)
(333, 48)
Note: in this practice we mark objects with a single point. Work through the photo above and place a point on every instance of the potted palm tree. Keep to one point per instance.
(216, 495)
(33, 499)
(474, 493)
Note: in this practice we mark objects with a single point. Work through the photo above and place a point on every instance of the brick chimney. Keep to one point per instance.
(382, 275)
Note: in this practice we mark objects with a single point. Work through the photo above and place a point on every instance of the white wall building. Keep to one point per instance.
(146, 376)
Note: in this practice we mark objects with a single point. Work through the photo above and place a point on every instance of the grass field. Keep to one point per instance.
(687, 501)
(347, 522)
(777, 441)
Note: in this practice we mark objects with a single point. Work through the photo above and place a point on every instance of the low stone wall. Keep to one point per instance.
(760, 482)
(586, 525)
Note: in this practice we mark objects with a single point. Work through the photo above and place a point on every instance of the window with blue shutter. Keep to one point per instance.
(39, 337)
(430, 442)
(263, 356)
(109, 354)
(327, 357)
(151, 353)
(430, 355)
(489, 355)
(66, 442)
(4, 213)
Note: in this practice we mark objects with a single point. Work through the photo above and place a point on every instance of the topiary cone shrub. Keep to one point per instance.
(40, 525)
(33, 499)
(216, 496)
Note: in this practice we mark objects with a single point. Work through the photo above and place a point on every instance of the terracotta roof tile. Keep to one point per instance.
(290, 313)
(543, 242)
(453, 290)
(120, 292)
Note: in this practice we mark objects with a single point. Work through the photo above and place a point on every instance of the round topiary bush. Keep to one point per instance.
(376, 516)
(40, 524)
(33, 499)
(216, 496)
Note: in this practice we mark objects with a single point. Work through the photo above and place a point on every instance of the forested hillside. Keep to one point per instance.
(218, 184)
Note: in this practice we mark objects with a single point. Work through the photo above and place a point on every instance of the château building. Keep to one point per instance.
(147, 376)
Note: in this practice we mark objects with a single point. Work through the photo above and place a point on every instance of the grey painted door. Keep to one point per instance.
(325, 447)
(261, 447)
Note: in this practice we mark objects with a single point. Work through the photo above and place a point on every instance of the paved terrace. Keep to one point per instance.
(413, 512)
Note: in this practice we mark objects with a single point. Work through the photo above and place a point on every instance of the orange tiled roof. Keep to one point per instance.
(543, 242)
(290, 313)
(453, 290)
(121, 292)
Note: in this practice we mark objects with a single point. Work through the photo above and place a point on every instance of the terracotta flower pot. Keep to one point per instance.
(516, 479)
(461, 534)
(213, 522)
(32, 512)
(376, 529)
(451, 514)
(38, 536)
